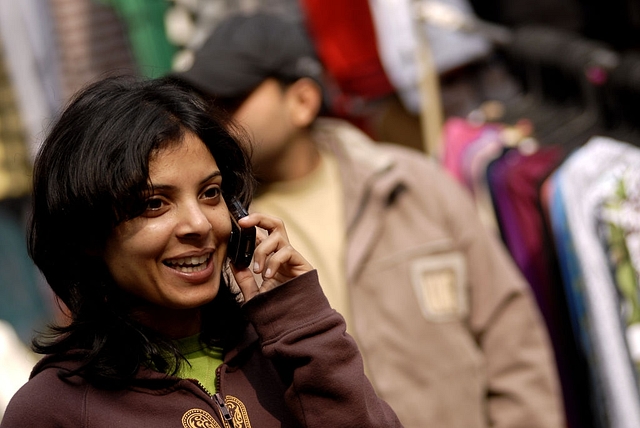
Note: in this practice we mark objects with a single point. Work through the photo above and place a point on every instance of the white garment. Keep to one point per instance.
(589, 176)
(26, 34)
(396, 33)
(16, 362)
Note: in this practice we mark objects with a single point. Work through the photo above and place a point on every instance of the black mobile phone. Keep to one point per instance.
(242, 241)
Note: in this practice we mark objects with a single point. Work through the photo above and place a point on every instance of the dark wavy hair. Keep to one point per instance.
(91, 173)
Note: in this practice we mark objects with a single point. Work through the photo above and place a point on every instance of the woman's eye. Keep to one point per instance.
(153, 204)
(212, 192)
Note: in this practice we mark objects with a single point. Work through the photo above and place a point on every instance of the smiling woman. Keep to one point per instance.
(131, 228)
(111, 204)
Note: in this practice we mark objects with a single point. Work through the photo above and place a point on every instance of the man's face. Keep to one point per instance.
(266, 116)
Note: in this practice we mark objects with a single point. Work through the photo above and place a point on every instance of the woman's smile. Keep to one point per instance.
(193, 269)
(189, 264)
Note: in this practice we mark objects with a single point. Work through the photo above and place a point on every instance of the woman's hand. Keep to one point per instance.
(274, 259)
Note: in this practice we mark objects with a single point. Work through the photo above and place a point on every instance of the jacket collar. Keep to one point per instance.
(350, 143)
(370, 179)
(360, 159)
(146, 377)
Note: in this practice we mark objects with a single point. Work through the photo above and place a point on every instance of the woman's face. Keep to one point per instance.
(172, 255)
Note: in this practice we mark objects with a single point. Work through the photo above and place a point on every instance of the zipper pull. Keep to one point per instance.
(224, 410)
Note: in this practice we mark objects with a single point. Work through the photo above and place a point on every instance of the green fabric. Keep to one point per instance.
(144, 20)
(203, 362)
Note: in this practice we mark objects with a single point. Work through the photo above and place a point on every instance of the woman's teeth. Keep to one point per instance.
(189, 264)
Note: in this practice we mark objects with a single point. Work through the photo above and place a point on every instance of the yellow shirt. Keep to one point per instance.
(313, 213)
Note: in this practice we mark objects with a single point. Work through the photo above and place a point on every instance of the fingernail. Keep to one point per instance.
(268, 273)
(256, 266)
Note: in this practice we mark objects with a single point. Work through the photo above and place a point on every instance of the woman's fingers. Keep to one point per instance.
(274, 258)
(247, 283)
(270, 239)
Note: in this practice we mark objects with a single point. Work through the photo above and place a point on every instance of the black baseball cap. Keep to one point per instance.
(245, 49)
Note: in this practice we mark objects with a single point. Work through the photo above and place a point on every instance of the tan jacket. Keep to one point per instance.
(449, 330)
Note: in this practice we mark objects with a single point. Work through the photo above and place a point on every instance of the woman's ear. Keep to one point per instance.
(305, 96)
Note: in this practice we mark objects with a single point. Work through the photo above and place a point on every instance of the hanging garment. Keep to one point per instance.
(619, 227)
(516, 191)
(396, 27)
(475, 159)
(16, 363)
(458, 134)
(91, 43)
(188, 24)
(24, 303)
(572, 276)
(573, 282)
(145, 26)
(31, 61)
(24, 73)
(15, 164)
(527, 238)
(505, 180)
(345, 40)
(573, 364)
(467, 148)
(588, 177)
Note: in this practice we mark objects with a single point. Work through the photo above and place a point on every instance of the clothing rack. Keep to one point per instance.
(581, 98)
(572, 87)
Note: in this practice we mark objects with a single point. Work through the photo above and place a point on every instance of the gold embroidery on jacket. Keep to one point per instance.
(238, 412)
(198, 418)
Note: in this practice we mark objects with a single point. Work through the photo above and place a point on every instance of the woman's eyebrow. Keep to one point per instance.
(213, 175)
(169, 187)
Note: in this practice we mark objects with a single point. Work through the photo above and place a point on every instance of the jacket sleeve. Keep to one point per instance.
(307, 341)
(45, 401)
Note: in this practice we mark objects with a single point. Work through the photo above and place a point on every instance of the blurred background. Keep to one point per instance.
(532, 105)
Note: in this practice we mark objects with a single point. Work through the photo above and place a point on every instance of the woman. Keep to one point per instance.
(131, 227)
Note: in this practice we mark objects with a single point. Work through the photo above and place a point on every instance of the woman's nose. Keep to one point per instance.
(193, 221)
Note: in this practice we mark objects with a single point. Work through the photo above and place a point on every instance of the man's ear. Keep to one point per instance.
(305, 96)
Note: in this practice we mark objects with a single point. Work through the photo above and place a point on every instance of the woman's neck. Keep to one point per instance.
(173, 323)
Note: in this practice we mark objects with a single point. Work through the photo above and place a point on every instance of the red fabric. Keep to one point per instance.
(345, 40)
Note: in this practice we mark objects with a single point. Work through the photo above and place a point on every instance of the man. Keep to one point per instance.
(448, 329)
